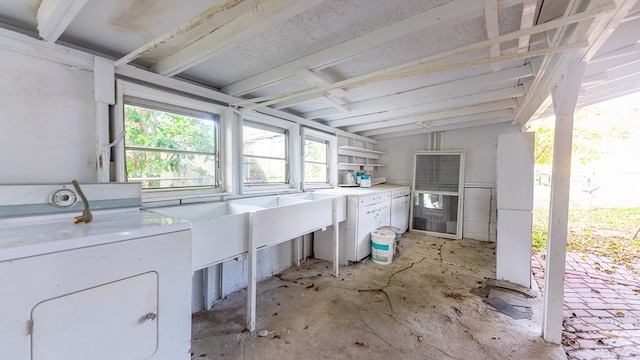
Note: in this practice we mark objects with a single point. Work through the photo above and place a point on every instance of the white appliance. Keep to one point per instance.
(116, 287)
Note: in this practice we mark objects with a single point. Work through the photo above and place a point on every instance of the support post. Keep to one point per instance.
(296, 249)
(336, 237)
(565, 97)
(252, 263)
(104, 95)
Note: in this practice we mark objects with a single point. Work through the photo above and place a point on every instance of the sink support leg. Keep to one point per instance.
(336, 238)
(251, 283)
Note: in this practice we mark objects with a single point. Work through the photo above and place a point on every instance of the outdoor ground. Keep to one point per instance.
(427, 304)
(598, 223)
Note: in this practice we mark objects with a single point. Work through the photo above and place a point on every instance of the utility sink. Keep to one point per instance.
(341, 201)
(284, 217)
(219, 230)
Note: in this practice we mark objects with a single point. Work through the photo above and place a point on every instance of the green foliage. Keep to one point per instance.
(592, 131)
(539, 241)
(315, 152)
(599, 231)
(156, 131)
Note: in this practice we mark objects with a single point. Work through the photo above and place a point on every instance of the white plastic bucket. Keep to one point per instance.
(382, 246)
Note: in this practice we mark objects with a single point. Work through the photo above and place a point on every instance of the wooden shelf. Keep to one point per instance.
(359, 158)
(357, 166)
(361, 150)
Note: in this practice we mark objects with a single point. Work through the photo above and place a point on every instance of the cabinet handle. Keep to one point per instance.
(151, 316)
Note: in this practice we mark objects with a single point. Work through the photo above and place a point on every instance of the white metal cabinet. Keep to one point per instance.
(374, 211)
(118, 323)
(98, 295)
(365, 213)
(400, 207)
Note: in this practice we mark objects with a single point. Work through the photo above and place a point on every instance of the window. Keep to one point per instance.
(316, 169)
(169, 147)
(265, 154)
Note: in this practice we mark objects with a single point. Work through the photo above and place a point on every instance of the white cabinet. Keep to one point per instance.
(514, 187)
(374, 211)
(400, 207)
(365, 213)
(122, 300)
(113, 326)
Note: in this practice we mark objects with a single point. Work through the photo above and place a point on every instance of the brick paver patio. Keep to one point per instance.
(601, 307)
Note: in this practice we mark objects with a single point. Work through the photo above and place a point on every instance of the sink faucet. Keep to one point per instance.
(86, 213)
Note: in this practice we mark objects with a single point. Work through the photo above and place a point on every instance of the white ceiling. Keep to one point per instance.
(377, 68)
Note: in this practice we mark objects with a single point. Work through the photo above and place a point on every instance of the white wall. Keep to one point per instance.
(48, 135)
(47, 121)
(480, 145)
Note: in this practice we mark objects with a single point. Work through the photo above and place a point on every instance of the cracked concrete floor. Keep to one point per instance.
(418, 307)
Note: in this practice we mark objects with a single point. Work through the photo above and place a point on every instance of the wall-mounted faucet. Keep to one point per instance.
(86, 213)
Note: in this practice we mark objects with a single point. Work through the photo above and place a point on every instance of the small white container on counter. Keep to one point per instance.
(365, 181)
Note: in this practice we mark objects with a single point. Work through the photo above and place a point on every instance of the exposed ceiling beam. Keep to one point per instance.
(397, 71)
(603, 29)
(391, 74)
(462, 101)
(55, 15)
(215, 16)
(461, 111)
(443, 128)
(422, 95)
(526, 21)
(450, 13)
(252, 22)
(493, 30)
(503, 114)
(316, 80)
(553, 65)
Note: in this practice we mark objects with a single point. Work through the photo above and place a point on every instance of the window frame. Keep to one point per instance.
(327, 179)
(292, 153)
(332, 158)
(286, 159)
(167, 100)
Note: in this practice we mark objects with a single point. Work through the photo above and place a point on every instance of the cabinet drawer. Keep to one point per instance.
(400, 192)
(367, 200)
(386, 196)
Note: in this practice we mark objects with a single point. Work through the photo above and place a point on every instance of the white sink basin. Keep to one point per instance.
(342, 201)
(219, 230)
(268, 201)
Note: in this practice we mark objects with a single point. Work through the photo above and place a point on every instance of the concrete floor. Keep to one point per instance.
(418, 307)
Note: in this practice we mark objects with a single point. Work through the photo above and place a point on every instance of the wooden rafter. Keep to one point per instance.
(451, 112)
(221, 14)
(252, 22)
(451, 13)
(54, 16)
(411, 97)
(491, 22)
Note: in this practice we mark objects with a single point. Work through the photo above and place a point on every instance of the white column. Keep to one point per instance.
(336, 237)
(564, 99)
(252, 278)
(104, 95)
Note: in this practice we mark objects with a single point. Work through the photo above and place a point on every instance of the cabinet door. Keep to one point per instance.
(383, 214)
(112, 321)
(400, 213)
(397, 212)
(407, 210)
(367, 222)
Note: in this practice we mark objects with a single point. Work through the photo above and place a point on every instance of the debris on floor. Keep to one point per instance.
(418, 307)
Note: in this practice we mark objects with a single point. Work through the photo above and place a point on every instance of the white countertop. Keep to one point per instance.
(358, 191)
(31, 236)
